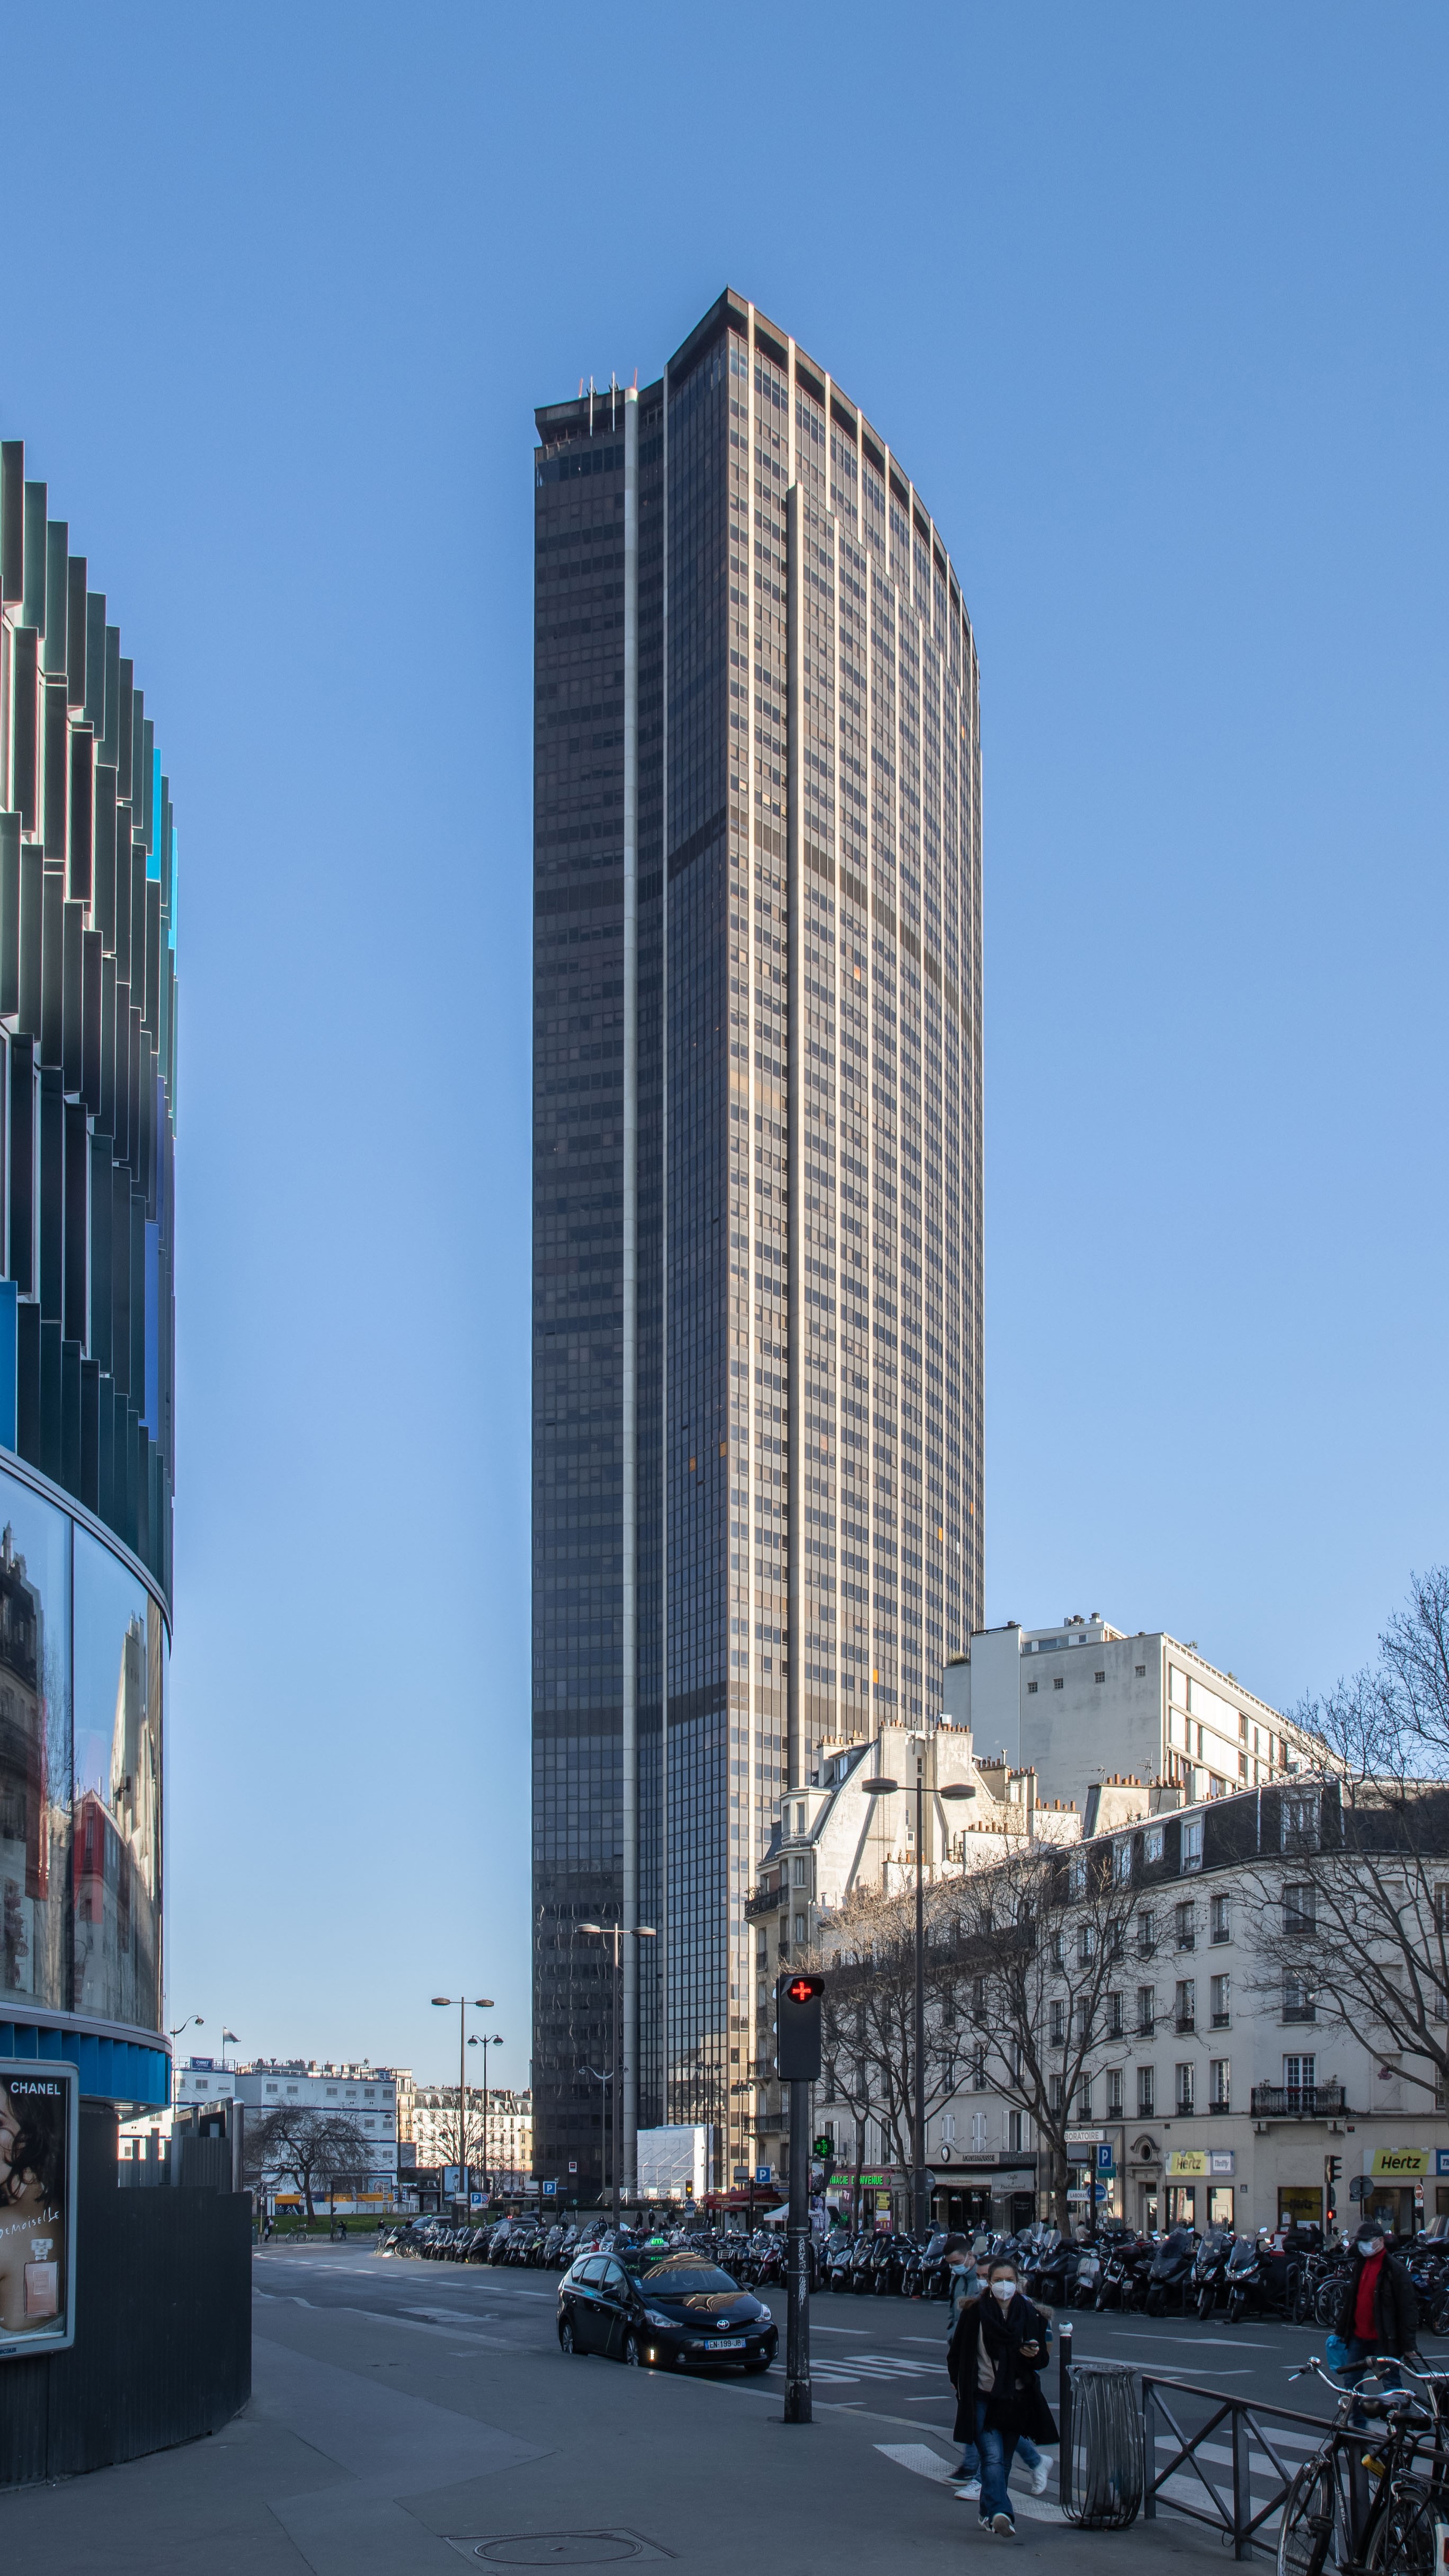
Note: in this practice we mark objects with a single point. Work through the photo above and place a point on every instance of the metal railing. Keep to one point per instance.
(1298, 2101)
(1236, 2511)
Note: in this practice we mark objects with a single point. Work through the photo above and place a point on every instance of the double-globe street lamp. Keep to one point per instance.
(882, 1788)
(488, 2039)
(479, 2003)
(619, 1933)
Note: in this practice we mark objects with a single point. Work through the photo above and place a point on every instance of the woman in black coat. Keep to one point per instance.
(995, 2359)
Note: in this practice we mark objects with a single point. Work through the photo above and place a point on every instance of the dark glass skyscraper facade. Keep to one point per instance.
(757, 1224)
(87, 1413)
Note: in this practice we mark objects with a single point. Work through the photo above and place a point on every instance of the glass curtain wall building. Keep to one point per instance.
(87, 1161)
(757, 1220)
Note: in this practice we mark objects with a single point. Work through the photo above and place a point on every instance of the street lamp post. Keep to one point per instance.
(200, 2020)
(488, 2040)
(481, 2003)
(880, 1788)
(619, 1933)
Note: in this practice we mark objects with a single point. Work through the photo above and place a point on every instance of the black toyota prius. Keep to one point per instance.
(681, 2312)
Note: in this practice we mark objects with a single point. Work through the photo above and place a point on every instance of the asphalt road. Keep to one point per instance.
(406, 2416)
(866, 2353)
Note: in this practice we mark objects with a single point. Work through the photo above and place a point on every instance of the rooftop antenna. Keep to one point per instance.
(591, 406)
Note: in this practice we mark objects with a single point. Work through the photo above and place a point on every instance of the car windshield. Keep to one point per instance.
(687, 2280)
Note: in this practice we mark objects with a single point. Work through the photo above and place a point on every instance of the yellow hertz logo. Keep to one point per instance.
(1410, 2161)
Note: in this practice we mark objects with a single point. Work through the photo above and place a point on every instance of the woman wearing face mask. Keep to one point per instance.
(997, 2354)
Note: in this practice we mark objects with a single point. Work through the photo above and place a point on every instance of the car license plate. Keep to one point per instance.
(728, 2343)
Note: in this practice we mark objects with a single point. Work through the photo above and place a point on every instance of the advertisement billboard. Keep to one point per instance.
(39, 2108)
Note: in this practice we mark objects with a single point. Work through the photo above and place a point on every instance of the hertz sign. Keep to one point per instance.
(797, 2028)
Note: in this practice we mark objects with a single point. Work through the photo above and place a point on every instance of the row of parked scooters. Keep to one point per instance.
(1292, 2272)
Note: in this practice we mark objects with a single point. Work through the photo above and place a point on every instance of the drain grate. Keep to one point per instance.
(561, 2549)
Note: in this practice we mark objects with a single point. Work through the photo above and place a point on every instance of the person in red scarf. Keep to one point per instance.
(1378, 2313)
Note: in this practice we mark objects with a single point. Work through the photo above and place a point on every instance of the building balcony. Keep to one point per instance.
(1222, 2021)
(1299, 2102)
(1185, 2021)
(1300, 2012)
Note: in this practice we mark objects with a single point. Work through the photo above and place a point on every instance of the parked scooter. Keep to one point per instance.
(1210, 2270)
(1170, 2273)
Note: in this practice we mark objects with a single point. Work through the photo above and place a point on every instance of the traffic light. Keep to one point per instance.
(797, 2027)
(1332, 2168)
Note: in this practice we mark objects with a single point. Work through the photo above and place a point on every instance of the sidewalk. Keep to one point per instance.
(376, 2447)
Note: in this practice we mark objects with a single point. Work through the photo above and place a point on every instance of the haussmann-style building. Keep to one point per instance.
(757, 1528)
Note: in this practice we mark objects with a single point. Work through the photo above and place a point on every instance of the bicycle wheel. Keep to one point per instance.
(1305, 2535)
(1403, 2541)
(1326, 2302)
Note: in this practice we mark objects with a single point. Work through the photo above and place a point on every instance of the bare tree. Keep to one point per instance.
(319, 2153)
(1039, 1946)
(868, 2018)
(1351, 1891)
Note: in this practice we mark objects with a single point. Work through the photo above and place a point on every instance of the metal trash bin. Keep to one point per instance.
(1101, 2472)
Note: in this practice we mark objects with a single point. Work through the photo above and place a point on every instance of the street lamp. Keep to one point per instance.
(200, 2021)
(481, 2003)
(881, 1788)
(618, 1933)
(493, 2040)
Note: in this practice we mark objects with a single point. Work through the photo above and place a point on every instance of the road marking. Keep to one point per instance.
(929, 2464)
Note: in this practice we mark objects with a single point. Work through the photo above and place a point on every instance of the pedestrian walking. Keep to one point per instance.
(996, 2357)
(970, 2278)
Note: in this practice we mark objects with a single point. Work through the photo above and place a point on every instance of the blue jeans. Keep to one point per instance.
(997, 2451)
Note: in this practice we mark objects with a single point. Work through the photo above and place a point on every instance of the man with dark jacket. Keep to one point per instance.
(1378, 2313)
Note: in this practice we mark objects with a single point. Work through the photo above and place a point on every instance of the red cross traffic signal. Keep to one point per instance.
(797, 2027)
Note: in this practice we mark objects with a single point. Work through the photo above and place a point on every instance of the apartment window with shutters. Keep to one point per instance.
(1013, 2133)
(1187, 2003)
(1147, 1932)
(1146, 2010)
(1146, 2093)
(1222, 1994)
(1220, 2084)
(1057, 2024)
(1056, 2091)
(1300, 1906)
(1222, 1918)
(1185, 1927)
(1115, 2021)
(1114, 2092)
(1183, 2095)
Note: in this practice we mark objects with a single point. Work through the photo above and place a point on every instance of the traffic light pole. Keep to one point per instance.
(798, 2407)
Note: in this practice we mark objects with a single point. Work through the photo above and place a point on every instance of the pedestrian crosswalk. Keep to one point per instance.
(840, 2369)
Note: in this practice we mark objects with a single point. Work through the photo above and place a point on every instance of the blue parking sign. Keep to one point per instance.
(1106, 2162)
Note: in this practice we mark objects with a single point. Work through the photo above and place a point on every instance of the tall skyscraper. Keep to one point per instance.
(88, 1025)
(757, 1178)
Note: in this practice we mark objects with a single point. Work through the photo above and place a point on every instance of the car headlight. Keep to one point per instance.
(652, 2317)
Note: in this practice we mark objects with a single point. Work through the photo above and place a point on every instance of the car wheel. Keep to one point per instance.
(566, 2341)
(629, 2352)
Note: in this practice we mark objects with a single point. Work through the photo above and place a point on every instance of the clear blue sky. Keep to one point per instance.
(1152, 302)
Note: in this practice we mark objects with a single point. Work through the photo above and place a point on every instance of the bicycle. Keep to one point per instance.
(1395, 2534)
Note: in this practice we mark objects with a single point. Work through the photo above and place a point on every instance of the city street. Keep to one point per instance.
(406, 2414)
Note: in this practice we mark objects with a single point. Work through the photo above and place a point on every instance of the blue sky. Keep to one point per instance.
(1152, 303)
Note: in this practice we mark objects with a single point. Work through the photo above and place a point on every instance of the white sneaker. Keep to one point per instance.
(968, 2492)
(1003, 2526)
(1039, 2477)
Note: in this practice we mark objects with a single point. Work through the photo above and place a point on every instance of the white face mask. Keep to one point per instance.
(1368, 2244)
(1005, 2291)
